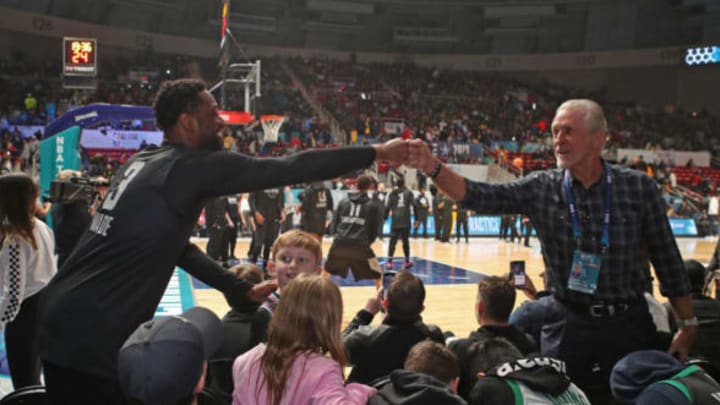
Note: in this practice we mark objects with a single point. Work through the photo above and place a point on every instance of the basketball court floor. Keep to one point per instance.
(450, 272)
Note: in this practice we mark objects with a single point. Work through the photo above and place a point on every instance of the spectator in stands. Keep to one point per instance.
(399, 208)
(243, 328)
(376, 351)
(301, 364)
(165, 360)
(27, 264)
(653, 377)
(505, 376)
(430, 376)
(494, 303)
(141, 232)
(294, 252)
(600, 280)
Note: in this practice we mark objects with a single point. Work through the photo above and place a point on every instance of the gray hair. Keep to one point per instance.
(594, 115)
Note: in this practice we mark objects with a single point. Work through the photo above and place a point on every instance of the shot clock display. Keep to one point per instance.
(80, 56)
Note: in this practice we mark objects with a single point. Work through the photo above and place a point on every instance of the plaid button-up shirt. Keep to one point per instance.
(639, 230)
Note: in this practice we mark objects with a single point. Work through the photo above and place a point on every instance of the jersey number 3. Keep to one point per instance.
(116, 192)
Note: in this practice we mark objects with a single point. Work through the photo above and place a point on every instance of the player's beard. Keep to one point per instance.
(215, 143)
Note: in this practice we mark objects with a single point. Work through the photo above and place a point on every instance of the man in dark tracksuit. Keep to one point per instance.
(461, 221)
(445, 205)
(116, 276)
(422, 206)
(216, 221)
(378, 199)
(437, 212)
(233, 210)
(268, 208)
(354, 229)
(399, 204)
(316, 202)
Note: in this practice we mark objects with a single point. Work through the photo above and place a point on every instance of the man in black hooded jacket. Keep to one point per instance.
(505, 377)
(430, 376)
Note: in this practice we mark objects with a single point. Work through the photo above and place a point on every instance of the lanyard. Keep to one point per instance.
(577, 231)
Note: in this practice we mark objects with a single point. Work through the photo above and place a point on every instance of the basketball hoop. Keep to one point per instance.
(271, 126)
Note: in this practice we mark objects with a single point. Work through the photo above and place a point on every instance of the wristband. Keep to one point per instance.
(436, 170)
(682, 323)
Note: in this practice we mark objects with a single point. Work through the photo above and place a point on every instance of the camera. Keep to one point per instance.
(75, 189)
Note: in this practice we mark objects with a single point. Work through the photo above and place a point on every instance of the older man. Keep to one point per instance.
(594, 220)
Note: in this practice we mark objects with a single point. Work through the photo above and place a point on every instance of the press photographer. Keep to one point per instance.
(74, 199)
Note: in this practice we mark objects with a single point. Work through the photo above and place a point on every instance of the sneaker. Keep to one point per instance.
(408, 264)
(389, 265)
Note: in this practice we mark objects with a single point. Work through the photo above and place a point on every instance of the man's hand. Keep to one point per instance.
(375, 303)
(260, 292)
(683, 341)
(394, 151)
(529, 288)
(259, 218)
(420, 156)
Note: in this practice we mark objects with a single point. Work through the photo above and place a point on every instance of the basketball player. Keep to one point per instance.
(355, 227)
(316, 202)
(115, 277)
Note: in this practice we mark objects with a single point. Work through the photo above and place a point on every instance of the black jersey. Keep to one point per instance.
(215, 210)
(316, 202)
(270, 203)
(115, 278)
(356, 220)
(399, 203)
(233, 208)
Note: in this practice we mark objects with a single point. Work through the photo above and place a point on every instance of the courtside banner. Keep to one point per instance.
(57, 153)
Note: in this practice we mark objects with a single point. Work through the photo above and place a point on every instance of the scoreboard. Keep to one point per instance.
(79, 56)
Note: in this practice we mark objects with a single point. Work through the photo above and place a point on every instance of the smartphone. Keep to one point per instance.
(517, 271)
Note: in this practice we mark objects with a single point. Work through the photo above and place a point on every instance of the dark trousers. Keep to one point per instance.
(461, 223)
(588, 341)
(404, 234)
(217, 245)
(446, 228)
(528, 232)
(21, 345)
(265, 236)
(68, 386)
(439, 220)
(231, 237)
(420, 220)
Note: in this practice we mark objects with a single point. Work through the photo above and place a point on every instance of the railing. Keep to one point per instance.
(338, 133)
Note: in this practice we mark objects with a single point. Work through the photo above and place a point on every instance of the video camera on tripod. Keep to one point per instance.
(76, 189)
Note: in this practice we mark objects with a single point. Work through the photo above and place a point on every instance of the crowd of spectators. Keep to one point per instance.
(369, 101)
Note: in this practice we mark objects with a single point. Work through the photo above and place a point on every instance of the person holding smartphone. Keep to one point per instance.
(593, 220)
(495, 300)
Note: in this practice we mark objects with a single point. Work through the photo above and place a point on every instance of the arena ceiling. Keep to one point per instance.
(414, 26)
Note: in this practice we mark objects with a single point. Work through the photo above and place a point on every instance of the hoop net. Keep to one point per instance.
(271, 126)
